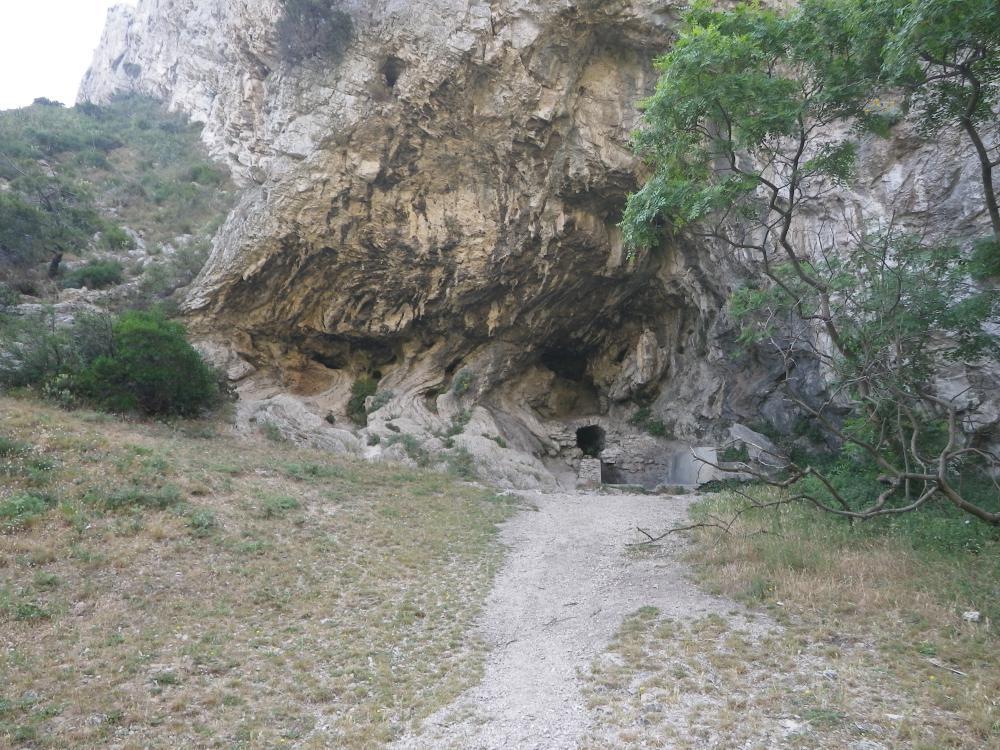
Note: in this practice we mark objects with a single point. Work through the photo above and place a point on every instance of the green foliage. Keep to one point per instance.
(380, 399)
(735, 453)
(936, 48)
(10, 447)
(461, 464)
(361, 389)
(272, 432)
(313, 28)
(644, 420)
(459, 422)
(33, 350)
(43, 219)
(8, 298)
(153, 370)
(137, 362)
(888, 292)
(202, 522)
(137, 496)
(413, 447)
(70, 170)
(984, 263)
(756, 114)
(163, 278)
(115, 238)
(96, 274)
(720, 94)
(206, 174)
(278, 506)
(462, 382)
(21, 510)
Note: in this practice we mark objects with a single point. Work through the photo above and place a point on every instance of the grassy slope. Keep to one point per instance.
(859, 635)
(174, 586)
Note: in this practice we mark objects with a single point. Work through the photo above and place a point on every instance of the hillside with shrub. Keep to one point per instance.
(95, 196)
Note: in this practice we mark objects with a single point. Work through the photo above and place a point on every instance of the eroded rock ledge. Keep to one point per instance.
(441, 201)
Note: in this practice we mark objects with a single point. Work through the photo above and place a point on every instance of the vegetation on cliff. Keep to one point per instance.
(119, 198)
(756, 118)
(313, 29)
(92, 183)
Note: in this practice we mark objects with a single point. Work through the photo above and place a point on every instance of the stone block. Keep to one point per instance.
(589, 476)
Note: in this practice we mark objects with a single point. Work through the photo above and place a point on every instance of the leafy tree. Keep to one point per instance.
(945, 54)
(151, 368)
(138, 362)
(756, 117)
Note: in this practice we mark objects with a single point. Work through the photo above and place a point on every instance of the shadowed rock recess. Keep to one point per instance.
(434, 206)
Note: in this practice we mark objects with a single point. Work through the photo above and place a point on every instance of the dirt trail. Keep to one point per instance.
(566, 585)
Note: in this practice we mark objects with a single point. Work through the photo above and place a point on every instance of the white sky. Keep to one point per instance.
(46, 46)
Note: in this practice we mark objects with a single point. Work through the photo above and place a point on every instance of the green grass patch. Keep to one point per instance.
(22, 509)
(297, 580)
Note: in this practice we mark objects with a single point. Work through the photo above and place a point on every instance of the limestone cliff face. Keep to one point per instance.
(441, 200)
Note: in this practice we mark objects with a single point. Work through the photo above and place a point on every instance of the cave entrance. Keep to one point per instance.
(590, 440)
(566, 363)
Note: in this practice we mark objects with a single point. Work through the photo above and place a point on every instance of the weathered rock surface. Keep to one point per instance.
(440, 201)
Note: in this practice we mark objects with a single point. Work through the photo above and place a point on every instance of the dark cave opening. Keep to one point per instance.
(566, 363)
(610, 474)
(391, 70)
(590, 440)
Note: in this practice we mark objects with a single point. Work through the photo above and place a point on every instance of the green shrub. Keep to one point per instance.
(462, 382)
(8, 297)
(158, 180)
(153, 370)
(206, 174)
(461, 464)
(413, 447)
(115, 238)
(202, 522)
(272, 432)
(20, 510)
(363, 388)
(277, 506)
(9, 447)
(458, 423)
(33, 350)
(313, 28)
(28, 232)
(97, 274)
(136, 496)
(657, 428)
(985, 261)
(643, 419)
(733, 453)
(379, 400)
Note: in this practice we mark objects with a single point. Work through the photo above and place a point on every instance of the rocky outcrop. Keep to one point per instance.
(436, 207)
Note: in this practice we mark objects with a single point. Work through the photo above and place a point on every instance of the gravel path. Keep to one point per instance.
(566, 585)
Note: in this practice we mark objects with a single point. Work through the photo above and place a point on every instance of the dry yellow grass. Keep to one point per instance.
(180, 587)
(859, 639)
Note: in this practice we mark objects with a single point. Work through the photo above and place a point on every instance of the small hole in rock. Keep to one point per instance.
(391, 70)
